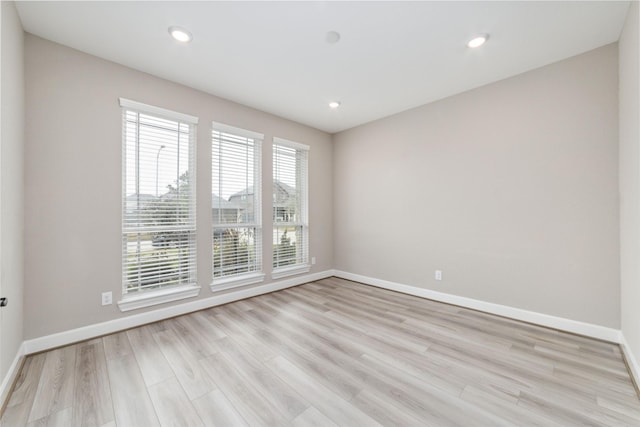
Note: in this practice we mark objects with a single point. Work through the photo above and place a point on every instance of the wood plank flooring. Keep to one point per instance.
(328, 353)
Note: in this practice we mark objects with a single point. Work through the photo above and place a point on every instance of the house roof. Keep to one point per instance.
(218, 202)
(132, 199)
(285, 188)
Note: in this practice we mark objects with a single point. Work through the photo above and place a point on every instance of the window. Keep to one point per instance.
(159, 217)
(290, 208)
(236, 206)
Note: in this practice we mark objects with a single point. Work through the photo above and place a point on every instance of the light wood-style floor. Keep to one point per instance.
(328, 353)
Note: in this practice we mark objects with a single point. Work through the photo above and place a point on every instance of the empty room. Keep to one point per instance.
(205, 213)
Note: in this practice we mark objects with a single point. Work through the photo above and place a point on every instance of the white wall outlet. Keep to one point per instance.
(107, 298)
(313, 260)
(438, 275)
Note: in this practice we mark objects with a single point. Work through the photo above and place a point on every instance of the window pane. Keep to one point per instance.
(234, 251)
(286, 203)
(159, 202)
(287, 246)
(236, 203)
(290, 199)
(158, 260)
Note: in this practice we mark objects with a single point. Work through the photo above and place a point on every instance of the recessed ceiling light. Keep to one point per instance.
(332, 37)
(478, 41)
(180, 34)
(334, 104)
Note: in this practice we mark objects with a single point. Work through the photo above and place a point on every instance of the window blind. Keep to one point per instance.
(290, 204)
(159, 217)
(236, 202)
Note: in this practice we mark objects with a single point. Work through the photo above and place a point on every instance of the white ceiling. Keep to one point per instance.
(273, 56)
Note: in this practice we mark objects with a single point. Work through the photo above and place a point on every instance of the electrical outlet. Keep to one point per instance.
(313, 260)
(438, 275)
(107, 298)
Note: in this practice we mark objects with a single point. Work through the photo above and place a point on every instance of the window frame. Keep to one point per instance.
(181, 290)
(302, 217)
(219, 283)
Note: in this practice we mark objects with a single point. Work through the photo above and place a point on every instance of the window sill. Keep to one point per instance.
(147, 299)
(224, 283)
(281, 272)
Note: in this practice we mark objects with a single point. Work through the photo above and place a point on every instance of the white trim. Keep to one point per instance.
(11, 375)
(98, 329)
(560, 323)
(147, 299)
(290, 144)
(221, 127)
(290, 271)
(151, 109)
(224, 283)
(632, 361)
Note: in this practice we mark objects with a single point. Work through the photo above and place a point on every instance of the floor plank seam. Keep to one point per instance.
(332, 352)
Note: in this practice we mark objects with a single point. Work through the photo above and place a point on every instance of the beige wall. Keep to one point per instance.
(510, 189)
(629, 51)
(73, 180)
(11, 183)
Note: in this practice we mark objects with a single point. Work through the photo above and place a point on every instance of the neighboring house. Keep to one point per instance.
(284, 202)
(244, 201)
(224, 211)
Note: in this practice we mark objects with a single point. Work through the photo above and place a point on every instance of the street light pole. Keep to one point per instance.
(157, 159)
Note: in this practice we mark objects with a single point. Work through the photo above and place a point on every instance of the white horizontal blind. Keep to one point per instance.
(236, 201)
(290, 204)
(159, 217)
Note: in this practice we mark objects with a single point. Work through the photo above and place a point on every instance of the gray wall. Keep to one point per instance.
(11, 183)
(510, 189)
(630, 179)
(73, 180)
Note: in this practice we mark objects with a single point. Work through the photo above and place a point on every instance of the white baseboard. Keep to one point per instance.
(91, 331)
(98, 329)
(11, 375)
(560, 323)
(632, 361)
